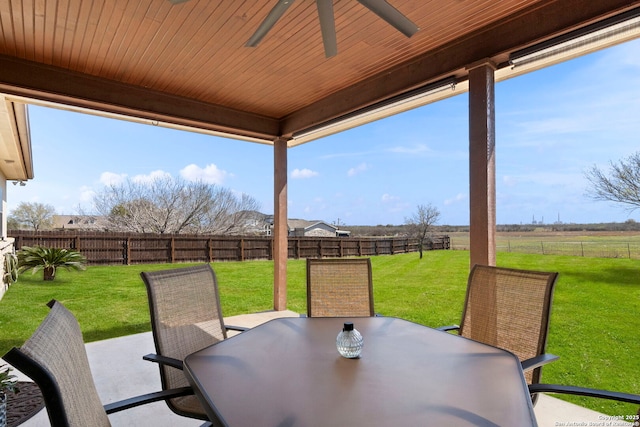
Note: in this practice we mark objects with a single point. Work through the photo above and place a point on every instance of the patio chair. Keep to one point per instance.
(510, 309)
(534, 389)
(56, 360)
(185, 317)
(340, 287)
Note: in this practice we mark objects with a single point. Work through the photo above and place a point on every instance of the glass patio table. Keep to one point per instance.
(287, 372)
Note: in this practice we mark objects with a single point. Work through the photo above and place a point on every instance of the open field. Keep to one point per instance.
(598, 244)
(594, 322)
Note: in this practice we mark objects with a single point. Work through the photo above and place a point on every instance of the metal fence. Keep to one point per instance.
(593, 249)
(128, 248)
(596, 249)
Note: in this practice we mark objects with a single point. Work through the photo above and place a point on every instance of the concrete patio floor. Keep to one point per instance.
(120, 372)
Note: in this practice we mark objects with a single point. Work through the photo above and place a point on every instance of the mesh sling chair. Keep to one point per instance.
(185, 317)
(56, 360)
(510, 309)
(340, 287)
(590, 392)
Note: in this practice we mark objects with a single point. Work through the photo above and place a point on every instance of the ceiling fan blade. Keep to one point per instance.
(278, 10)
(328, 27)
(177, 1)
(392, 15)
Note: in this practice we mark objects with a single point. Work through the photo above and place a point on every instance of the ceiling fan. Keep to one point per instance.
(327, 21)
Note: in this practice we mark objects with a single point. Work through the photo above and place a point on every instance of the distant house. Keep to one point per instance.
(304, 228)
(79, 222)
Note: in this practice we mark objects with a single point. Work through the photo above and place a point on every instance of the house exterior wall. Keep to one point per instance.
(3, 207)
(6, 248)
(320, 230)
(6, 244)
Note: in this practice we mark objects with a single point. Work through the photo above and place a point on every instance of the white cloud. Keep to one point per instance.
(210, 174)
(458, 198)
(509, 180)
(86, 193)
(110, 178)
(159, 174)
(358, 169)
(399, 207)
(415, 149)
(388, 198)
(303, 173)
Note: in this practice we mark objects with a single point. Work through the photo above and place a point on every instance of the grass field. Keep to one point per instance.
(596, 244)
(594, 323)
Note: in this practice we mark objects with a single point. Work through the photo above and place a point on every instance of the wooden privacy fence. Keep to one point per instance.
(129, 248)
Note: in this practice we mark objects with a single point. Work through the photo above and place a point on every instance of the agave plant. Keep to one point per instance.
(8, 381)
(49, 259)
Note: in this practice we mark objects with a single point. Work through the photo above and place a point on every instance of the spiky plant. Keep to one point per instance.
(38, 258)
(8, 381)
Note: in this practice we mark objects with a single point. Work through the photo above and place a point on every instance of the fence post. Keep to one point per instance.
(582, 248)
(542, 246)
(629, 250)
(241, 249)
(127, 251)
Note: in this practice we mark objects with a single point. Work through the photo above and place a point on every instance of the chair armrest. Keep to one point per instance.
(147, 398)
(236, 328)
(164, 360)
(536, 362)
(583, 391)
(448, 328)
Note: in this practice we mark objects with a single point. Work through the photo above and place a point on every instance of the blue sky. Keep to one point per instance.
(551, 125)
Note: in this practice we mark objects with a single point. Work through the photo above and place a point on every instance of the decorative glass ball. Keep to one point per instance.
(349, 341)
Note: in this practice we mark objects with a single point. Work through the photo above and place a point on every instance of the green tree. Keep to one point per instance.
(35, 216)
(419, 224)
(48, 260)
(620, 185)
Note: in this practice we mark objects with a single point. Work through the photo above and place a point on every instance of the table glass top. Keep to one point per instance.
(288, 372)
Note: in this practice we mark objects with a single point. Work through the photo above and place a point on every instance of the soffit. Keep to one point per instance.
(15, 147)
(186, 65)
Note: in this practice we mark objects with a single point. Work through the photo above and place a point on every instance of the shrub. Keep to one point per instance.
(49, 259)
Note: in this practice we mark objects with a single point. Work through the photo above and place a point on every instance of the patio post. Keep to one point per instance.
(482, 175)
(280, 227)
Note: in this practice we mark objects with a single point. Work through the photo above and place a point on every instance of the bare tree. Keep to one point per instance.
(621, 185)
(170, 205)
(36, 216)
(419, 224)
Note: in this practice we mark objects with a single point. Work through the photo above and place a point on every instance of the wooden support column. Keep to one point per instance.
(482, 173)
(280, 228)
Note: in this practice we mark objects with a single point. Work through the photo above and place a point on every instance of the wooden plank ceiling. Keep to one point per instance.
(187, 64)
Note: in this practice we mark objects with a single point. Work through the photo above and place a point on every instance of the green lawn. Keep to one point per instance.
(594, 323)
